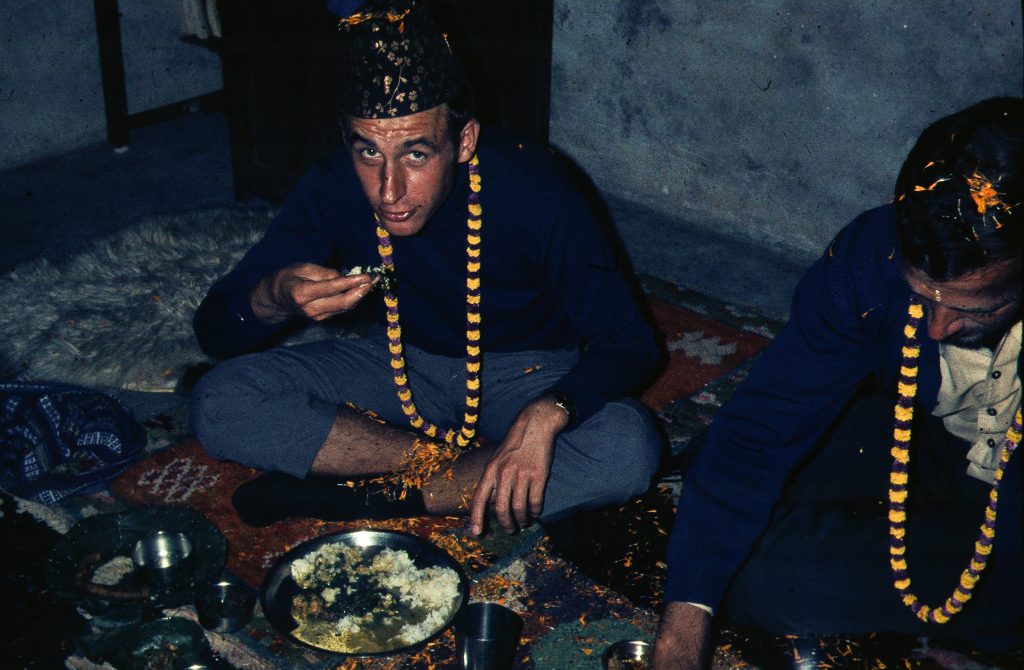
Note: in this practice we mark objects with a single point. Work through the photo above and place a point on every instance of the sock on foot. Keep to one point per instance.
(275, 496)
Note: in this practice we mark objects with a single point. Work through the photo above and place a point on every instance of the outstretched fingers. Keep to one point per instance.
(481, 500)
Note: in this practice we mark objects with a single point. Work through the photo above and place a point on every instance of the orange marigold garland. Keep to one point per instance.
(474, 223)
(904, 414)
(426, 458)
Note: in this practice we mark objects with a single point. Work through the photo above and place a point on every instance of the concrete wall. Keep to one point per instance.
(775, 121)
(51, 96)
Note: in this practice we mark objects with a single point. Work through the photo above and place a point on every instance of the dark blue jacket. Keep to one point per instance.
(550, 277)
(846, 325)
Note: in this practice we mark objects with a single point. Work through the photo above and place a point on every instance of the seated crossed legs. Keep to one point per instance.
(290, 410)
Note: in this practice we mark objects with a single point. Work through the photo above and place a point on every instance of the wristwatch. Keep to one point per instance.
(564, 402)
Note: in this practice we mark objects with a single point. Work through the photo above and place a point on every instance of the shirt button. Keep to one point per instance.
(991, 442)
(996, 374)
(991, 411)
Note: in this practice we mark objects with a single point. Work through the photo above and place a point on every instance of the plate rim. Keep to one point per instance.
(283, 563)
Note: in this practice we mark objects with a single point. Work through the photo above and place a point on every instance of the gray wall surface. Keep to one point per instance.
(764, 124)
(774, 121)
(51, 95)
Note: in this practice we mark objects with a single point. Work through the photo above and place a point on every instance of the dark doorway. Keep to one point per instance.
(282, 75)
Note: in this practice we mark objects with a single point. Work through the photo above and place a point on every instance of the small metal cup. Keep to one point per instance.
(486, 636)
(626, 655)
(163, 557)
(225, 606)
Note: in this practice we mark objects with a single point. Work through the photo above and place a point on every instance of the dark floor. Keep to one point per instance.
(56, 206)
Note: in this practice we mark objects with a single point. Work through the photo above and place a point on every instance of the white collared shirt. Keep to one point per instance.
(978, 398)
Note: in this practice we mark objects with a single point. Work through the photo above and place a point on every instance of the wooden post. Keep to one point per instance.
(115, 93)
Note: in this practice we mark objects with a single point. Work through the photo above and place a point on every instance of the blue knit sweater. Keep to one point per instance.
(550, 277)
(846, 325)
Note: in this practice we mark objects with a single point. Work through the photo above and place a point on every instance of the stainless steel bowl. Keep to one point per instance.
(225, 605)
(163, 557)
(627, 655)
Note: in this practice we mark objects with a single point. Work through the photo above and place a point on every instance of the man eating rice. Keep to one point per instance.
(507, 333)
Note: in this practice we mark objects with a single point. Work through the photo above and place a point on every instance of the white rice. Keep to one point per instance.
(323, 565)
(413, 633)
(113, 571)
(430, 592)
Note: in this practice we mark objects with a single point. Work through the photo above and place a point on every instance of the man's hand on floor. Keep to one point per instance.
(513, 482)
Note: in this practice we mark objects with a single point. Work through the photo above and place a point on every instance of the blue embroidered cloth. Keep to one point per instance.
(57, 440)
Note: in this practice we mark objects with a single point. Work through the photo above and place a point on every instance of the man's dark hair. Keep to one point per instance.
(960, 194)
(461, 108)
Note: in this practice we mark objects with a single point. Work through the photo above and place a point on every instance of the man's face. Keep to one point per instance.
(974, 310)
(407, 165)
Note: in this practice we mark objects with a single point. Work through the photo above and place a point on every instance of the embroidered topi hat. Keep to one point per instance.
(399, 62)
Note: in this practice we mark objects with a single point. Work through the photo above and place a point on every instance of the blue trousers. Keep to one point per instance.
(273, 410)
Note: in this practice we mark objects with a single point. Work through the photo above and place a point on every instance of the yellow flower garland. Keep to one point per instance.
(474, 223)
(898, 479)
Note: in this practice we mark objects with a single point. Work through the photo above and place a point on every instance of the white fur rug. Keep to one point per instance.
(119, 314)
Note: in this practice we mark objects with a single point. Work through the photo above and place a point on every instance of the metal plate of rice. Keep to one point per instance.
(364, 593)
